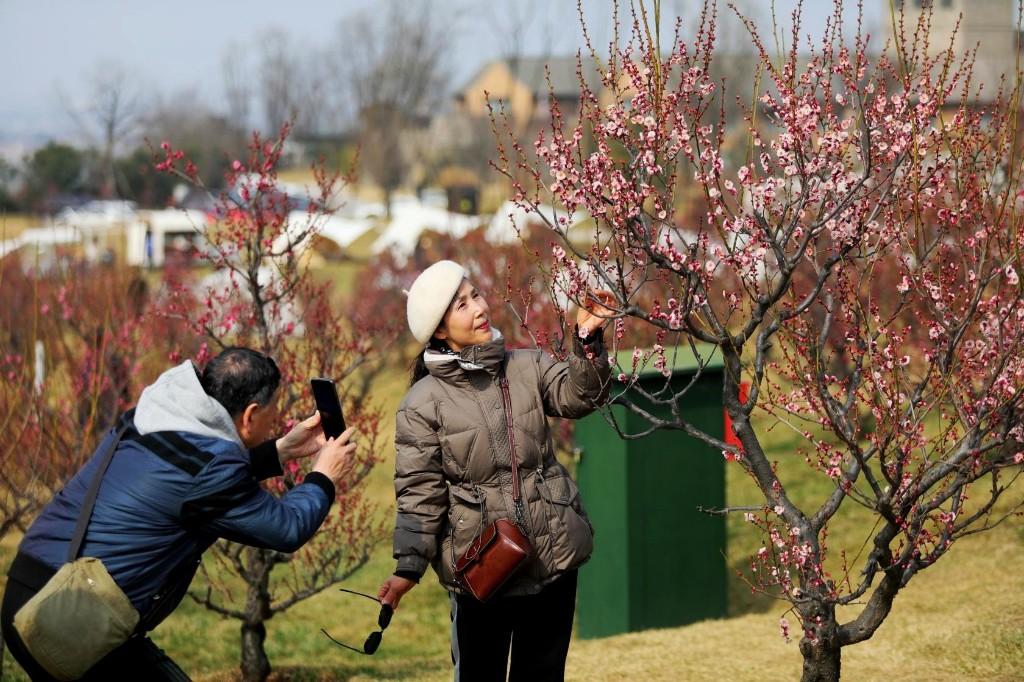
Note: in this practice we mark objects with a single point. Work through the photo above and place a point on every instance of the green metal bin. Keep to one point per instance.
(658, 561)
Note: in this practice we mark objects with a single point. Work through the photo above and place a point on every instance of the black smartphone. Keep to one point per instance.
(326, 396)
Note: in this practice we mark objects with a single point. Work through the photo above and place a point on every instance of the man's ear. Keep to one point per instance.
(243, 422)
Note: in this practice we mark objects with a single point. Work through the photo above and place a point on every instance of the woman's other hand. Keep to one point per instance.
(393, 589)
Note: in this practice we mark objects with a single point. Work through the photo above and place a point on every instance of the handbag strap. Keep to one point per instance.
(517, 500)
(94, 487)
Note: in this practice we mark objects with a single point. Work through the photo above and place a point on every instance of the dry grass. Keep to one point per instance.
(13, 224)
(962, 619)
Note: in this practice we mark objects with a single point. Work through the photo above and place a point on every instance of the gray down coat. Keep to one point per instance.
(453, 472)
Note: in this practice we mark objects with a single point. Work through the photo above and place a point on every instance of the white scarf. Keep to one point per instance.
(435, 356)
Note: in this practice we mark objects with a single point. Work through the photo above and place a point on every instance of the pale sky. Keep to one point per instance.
(49, 46)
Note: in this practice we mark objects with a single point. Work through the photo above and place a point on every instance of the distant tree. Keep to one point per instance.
(319, 111)
(111, 116)
(8, 176)
(277, 78)
(141, 182)
(286, 80)
(52, 169)
(392, 62)
(238, 85)
(511, 24)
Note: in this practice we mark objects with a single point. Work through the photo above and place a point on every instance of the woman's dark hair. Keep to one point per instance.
(419, 366)
(240, 376)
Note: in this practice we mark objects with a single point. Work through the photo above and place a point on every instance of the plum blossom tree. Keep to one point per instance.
(268, 299)
(858, 171)
(72, 359)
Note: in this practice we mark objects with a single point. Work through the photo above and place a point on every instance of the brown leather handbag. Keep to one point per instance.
(492, 559)
(502, 548)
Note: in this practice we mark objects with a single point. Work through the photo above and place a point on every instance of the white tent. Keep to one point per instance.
(511, 218)
(35, 245)
(98, 214)
(163, 225)
(343, 231)
(40, 238)
(409, 218)
(339, 229)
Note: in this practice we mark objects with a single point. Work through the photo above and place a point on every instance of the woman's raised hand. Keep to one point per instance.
(595, 313)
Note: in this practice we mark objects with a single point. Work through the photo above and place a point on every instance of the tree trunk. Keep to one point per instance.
(255, 664)
(820, 645)
(821, 660)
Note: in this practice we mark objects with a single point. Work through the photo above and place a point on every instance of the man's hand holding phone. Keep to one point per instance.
(337, 457)
(305, 439)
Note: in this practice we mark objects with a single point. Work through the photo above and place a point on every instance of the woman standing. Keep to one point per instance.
(453, 474)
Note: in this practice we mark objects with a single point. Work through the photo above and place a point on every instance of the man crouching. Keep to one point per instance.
(184, 469)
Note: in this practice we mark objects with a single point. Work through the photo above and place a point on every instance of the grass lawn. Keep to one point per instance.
(962, 619)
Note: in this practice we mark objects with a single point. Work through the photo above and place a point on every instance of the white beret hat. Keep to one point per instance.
(430, 295)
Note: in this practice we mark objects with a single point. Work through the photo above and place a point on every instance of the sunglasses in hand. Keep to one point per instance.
(373, 640)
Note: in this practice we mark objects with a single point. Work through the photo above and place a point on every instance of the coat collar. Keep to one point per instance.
(451, 367)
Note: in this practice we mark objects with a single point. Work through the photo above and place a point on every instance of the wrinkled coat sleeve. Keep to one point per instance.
(226, 500)
(579, 385)
(421, 492)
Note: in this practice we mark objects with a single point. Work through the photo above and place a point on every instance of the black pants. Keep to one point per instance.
(138, 658)
(538, 628)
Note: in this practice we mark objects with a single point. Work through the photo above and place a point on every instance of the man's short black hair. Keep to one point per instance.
(239, 376)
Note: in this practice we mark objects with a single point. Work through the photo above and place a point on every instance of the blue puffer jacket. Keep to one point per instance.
(180, 479)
